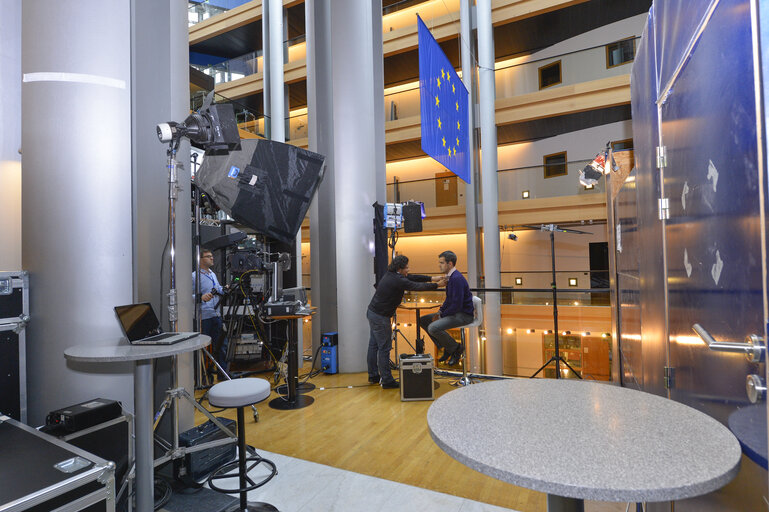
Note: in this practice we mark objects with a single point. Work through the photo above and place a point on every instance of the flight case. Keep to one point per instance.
(14, 315)
(40, 473)
(416, 373)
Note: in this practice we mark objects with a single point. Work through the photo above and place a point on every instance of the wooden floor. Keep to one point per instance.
(359, 427)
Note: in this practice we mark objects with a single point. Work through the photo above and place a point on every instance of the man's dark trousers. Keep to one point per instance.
(213, 327)
(437, 329)
(379, 345)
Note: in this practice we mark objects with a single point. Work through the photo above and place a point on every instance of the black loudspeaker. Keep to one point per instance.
(412, 218)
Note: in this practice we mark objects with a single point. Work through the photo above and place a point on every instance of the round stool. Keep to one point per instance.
(241, 393)
(477, 320)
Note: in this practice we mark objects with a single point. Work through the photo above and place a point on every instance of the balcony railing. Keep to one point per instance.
(198, 11)
(253, 62)
(521, 76)
(520, 183)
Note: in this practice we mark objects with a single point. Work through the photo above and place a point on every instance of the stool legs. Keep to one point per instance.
(464, 380)
(246, 483)
(242, 458)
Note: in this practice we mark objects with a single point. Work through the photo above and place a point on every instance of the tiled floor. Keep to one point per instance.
(302, 486)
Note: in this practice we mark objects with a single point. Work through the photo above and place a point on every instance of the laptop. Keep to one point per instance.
(141, 326)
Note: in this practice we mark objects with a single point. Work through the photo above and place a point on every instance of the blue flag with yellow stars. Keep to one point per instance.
(443, 105)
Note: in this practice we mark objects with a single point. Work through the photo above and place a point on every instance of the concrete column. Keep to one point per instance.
(76, 194)
(471, 197)
(358, 125)
(321, 140)
(10, 136)
(489, 192)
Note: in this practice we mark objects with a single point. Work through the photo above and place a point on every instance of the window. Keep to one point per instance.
(550, 74)
(620, 53)
(622, 145)
(555, 165)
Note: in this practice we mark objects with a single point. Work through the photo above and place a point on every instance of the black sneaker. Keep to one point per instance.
(456, 356)
(391, 385)
(374, 380)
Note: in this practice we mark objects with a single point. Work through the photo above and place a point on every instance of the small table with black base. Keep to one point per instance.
(293, 398)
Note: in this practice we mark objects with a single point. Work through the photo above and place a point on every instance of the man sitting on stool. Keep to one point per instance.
(457, 310)
(388, 296)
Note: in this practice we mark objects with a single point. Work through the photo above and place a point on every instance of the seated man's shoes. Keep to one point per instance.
(394, 384)
(446, 355)
(456, 356)
(374, 380)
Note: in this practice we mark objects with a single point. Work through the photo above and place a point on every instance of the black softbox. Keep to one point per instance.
(266, 185)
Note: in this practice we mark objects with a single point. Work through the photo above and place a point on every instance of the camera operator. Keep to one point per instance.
(211, 320)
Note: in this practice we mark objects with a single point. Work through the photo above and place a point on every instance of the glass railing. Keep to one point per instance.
(527, 336)
(251, 63)
(201, 10)
(247, 118)
(520, 183)
(521, 75)
(402, 14)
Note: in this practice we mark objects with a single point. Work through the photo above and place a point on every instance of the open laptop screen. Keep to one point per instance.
(138, 321)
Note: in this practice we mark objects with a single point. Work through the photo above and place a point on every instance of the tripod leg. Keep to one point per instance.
(570, 368)
(206, 413)
(543, 367)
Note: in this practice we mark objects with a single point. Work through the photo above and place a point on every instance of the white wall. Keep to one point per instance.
(10, 136)
(521, 75)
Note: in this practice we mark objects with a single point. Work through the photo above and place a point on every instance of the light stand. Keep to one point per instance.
(552, 228)
(176, 393)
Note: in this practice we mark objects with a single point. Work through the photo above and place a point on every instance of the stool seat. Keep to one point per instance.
(478, 313)
(238, 392)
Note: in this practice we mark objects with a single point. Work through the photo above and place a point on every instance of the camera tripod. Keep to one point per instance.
(556, 357)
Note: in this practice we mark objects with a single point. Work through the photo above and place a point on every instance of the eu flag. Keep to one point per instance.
(443, 102)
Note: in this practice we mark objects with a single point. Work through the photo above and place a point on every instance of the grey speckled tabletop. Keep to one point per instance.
(123, 351)
(585, 440)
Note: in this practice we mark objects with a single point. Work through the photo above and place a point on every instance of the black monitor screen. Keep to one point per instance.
(138, 320)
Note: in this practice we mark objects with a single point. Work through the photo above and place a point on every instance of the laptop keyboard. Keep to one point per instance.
(160, 336)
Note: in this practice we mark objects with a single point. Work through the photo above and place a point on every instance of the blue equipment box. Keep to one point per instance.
(328, 359)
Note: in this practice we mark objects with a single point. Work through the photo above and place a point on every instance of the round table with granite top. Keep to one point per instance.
(578, 440)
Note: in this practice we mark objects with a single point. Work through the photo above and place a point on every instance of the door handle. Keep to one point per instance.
(753, 347)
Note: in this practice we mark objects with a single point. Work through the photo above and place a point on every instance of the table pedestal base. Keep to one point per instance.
(302, 387)
(563, 504)
(283, 404)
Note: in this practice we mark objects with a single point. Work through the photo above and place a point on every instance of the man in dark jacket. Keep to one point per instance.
(457, 310)
(388, 296)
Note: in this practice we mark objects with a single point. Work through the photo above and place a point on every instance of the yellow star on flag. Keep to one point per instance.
(439, 82)
(458, 125)
(444, 141)
(439, 123)
(453, 89)
(457, 103)
(457, 141)
(448, 77)
(437, 101)
(443, 73)
(449, 151)
(455, 151)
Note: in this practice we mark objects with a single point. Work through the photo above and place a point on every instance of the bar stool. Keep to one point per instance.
(477, 320)
(241, 393)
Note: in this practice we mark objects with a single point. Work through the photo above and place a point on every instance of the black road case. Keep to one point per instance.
(14, 315)
(40, 473)
(416, 374)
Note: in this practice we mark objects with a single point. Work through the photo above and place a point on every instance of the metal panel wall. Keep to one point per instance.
(644, 89)
(711, 245)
